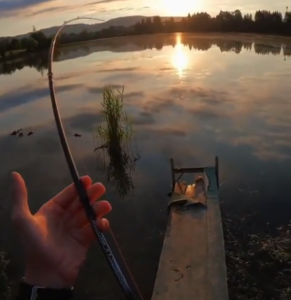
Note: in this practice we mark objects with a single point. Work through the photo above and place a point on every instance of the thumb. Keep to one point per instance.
(20, 209)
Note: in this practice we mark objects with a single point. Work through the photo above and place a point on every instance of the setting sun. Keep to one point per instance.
(181, 7)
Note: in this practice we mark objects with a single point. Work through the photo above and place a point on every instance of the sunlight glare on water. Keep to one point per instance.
(180, 59)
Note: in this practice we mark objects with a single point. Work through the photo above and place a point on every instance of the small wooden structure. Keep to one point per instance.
(192, 261)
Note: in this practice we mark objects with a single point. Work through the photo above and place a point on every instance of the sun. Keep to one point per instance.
(180, 7)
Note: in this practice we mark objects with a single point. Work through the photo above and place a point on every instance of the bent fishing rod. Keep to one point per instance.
(76, 178)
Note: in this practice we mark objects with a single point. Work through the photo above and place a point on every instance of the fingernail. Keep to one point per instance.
(106, 224)
(13, 174)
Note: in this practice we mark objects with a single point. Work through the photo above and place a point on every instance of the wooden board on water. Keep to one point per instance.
(192, 262)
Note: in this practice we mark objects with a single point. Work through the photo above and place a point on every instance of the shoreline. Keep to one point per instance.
(235, 35)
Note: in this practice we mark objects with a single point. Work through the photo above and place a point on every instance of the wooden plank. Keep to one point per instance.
(216, 256)
(188, 170)
(188, 267)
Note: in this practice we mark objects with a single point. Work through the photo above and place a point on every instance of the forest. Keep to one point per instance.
(262, 22)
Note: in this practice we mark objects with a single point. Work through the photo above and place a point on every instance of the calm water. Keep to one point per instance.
(189, 97)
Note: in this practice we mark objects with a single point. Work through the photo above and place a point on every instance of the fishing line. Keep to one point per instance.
(117, 245)
(75, 176)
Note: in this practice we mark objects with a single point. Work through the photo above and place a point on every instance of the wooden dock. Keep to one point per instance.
(192, 261)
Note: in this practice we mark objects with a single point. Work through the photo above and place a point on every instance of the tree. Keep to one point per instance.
(4, 44)
(237, 16)
(14, 45)
(170, 25)
(158, 24)
(287, 17)
(29, 43)
(40, 38)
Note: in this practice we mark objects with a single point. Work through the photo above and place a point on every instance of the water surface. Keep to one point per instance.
(190, 97)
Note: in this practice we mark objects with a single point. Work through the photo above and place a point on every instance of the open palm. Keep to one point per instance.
(56, 238)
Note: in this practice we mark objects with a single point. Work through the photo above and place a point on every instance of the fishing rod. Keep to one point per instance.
(75, 176)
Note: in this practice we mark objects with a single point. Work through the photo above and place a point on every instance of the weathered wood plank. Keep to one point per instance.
(216, 256)
(192, 264)
(188, 170)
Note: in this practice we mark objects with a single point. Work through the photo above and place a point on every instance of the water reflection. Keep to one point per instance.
(180, 61)
(235, 106)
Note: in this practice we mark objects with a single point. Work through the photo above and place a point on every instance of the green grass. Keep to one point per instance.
(115, 135)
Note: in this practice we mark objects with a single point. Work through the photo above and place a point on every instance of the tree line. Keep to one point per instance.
(263, 21)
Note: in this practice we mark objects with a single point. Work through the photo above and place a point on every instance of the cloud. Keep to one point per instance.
(144, 118)
(126, 8)
(13, 5)
(103, 1)
(136, 94)
(170, 131)
(86, 121)
(100, 89)
(205, 112)
(205, 101)
(25, 95)
(49, 9)
(117, 70)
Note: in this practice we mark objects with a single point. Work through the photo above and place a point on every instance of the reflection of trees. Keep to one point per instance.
(229, 46)
(114, 137)
(267, 49)
(287, 51)
(37, 60)
(248, 45)
(199, 44)
(159, 41)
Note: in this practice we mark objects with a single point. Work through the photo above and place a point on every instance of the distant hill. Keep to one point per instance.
(77, 28)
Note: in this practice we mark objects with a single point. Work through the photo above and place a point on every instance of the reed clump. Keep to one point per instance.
(115, 135)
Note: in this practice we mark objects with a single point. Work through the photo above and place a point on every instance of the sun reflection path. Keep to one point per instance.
(180, 59)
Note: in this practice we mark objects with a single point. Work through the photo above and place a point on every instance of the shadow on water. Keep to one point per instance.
(225, 43)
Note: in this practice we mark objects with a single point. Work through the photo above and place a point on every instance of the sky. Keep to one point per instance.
(19, 16)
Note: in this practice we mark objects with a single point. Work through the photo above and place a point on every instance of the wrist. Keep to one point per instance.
(46, 279)
(33, 292)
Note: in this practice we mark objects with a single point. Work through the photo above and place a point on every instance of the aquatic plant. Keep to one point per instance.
(115, 135)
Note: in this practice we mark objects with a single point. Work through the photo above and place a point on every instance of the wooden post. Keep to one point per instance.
(173, 174)
(217, 170)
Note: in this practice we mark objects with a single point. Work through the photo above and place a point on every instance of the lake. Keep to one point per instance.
(189, 97)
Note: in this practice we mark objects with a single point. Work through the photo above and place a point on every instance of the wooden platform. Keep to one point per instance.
(192, 261)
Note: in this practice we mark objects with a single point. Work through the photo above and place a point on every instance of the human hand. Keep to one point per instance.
(57, 237)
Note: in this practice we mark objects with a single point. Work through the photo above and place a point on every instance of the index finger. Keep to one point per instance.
(67, 195)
